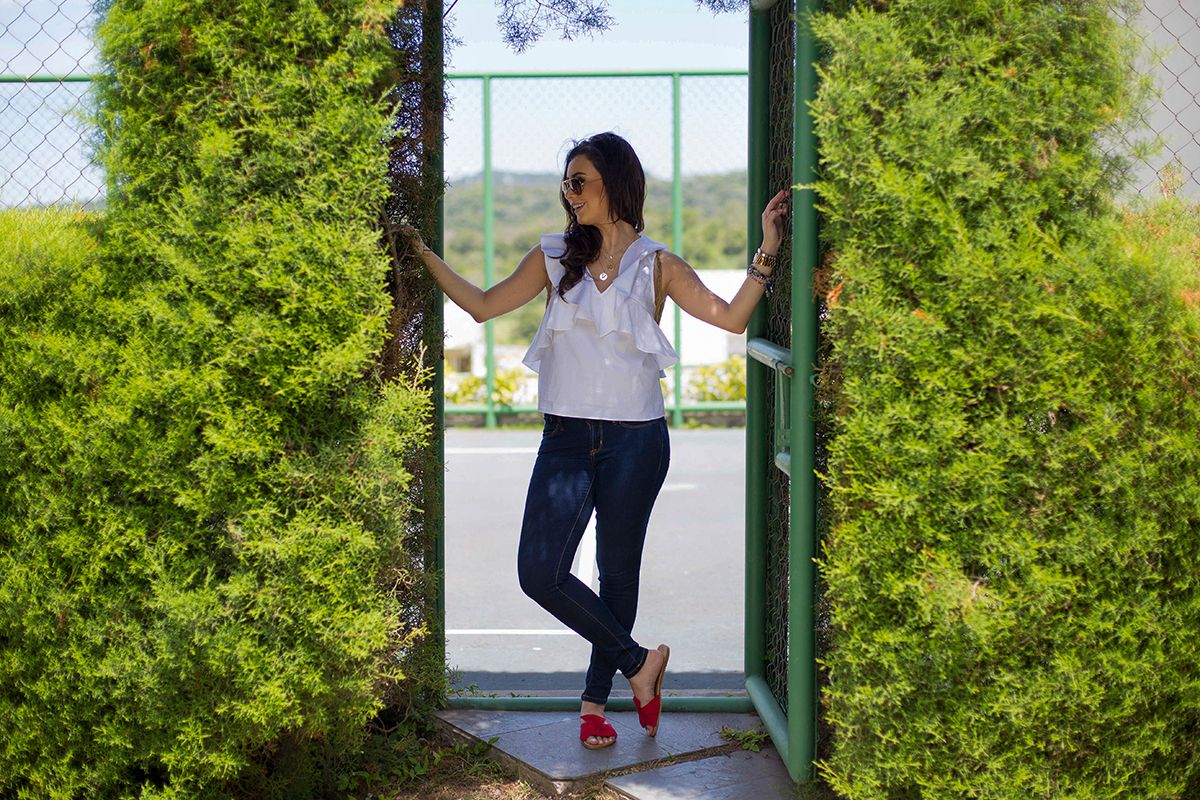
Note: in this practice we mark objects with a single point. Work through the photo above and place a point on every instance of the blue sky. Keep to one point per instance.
(534, 121)
(648, 34)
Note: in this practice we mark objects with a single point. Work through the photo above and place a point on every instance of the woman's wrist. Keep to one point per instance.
(764, 262)
(765, 281)
(760, 269)
(425, 254)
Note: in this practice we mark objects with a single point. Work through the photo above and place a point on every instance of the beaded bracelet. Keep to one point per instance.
(765, 281)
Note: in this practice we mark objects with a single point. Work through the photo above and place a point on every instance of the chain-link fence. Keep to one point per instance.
(44, 130)
(46, 56)
(779, 331)
(1171, 31)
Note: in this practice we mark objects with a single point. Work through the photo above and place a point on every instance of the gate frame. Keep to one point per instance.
(792, 729)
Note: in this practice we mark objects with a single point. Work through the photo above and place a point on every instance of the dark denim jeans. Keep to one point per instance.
(616, 469)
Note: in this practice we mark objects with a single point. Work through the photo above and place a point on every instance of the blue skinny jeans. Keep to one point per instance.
(615, 469)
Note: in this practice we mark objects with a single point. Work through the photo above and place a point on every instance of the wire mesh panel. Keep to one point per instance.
(779, 331)
(46, 37)
(44, 131)
(45, 157)
(534, 121)
(1171, 28)
(713, 111)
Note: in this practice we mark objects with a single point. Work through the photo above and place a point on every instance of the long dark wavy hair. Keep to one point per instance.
(625, 187)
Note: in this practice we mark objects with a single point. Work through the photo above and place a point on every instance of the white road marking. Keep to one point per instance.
(510, 632)
(587, 556)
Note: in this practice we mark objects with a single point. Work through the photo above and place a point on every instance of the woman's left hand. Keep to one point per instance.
(772, 222)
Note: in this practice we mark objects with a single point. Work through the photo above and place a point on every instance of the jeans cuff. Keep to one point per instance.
(600, 701)
(641, 663)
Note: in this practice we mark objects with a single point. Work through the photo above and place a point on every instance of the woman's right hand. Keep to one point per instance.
(415, 243)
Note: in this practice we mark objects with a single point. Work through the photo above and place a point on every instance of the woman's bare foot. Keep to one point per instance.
(644, 681)
(597, 709)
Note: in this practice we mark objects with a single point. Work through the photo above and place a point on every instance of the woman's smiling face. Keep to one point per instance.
(590, 203)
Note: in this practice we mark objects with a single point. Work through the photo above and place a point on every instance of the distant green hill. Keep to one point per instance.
(714, 228)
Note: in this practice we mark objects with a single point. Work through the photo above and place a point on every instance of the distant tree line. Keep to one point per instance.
(526, 206)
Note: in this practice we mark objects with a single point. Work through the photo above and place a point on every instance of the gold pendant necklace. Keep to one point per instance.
(604, 275)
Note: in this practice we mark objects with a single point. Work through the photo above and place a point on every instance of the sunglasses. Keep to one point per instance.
(575, 185)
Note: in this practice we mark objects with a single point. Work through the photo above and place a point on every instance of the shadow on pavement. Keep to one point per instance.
(573, 681)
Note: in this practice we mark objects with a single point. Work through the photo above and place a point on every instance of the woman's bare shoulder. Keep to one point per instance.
(673, 264)
(535, 256)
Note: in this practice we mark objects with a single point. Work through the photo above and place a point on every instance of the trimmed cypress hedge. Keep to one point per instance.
(210, 579)
(1014, 473)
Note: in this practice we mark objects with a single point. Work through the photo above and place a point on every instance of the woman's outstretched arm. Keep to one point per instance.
(516, 290)
(682, 285)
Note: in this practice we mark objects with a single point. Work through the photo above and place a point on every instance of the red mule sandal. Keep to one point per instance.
(595, 725)
(648, 714)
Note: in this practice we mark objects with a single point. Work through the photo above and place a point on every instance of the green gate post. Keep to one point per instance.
(677, 240)
(757, 194)
(806, 253)
(489, 254)
(433, 99)
(793, 729)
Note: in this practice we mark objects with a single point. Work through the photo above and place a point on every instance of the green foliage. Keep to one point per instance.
(472, 390)
(402, 757)
(1014, 505)
(725, 381)
(752, 740)
(209, 580)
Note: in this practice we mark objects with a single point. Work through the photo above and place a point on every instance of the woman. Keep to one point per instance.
(599, 354)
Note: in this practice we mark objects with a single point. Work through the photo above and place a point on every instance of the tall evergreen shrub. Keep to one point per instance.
(208, 576)
(1014, 551)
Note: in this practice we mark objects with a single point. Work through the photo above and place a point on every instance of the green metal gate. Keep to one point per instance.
(780, 432)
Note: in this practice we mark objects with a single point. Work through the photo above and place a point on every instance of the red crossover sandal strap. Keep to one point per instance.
(648, 714)
(595, 725)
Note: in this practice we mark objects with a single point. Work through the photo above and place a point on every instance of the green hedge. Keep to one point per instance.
(210, 575)
(1014, 553)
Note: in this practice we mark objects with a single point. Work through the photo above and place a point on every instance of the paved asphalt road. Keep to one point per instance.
(692, 572)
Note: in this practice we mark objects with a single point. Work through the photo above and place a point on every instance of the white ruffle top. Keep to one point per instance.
(599, 355)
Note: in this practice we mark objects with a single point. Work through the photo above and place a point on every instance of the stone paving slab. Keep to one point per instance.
(740, 775)
(543, 747)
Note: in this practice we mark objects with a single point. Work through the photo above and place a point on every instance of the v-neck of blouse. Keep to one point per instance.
(620, 268)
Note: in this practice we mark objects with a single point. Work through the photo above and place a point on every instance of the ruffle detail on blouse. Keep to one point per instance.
(620, 308)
